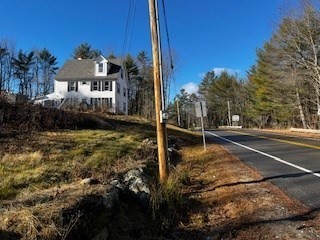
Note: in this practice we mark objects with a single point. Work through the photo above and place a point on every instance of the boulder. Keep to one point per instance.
(136, 181)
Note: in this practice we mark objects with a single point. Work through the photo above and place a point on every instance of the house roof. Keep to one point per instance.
(84, 69)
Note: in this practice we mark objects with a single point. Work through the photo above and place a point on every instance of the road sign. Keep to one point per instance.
(201, 109)
(235, 118)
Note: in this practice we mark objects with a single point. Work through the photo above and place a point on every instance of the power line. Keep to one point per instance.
(133, 21)
(128, 32)
(126, 29)
(167, 33)
(169, 50)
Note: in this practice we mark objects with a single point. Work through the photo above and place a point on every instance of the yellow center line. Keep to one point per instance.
(280, 140)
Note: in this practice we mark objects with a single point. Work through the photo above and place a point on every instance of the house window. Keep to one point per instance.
(72, 86)
(95, 86)
(124, 107)
(100, 69)
(95, 102)
(121, 72)
(106, 102)
(124, 92)
(84, 83)
(118, 88)
(107, 86)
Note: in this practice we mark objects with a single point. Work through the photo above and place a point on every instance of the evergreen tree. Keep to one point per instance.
(22, 70)
(223, 95)
(269, 101)
(48, 64)
(84, 51)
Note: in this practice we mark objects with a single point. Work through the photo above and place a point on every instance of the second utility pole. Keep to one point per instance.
(161, 126)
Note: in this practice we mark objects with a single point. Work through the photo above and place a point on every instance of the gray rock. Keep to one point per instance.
(118, 184)
(136, 181)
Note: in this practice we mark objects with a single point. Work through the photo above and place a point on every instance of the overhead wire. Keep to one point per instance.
(133, 21)
(167, 34)
(126, 29)
(129, 27)
(169, 49)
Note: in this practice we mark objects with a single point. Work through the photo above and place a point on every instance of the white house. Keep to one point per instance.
(94, 83)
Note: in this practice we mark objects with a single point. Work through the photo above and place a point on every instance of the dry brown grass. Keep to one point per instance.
(31, 159)
(37, 215)
(229, 200)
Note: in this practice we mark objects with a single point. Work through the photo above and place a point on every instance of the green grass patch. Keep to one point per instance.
(44, 159)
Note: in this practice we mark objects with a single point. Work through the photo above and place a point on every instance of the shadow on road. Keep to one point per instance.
(291, 175)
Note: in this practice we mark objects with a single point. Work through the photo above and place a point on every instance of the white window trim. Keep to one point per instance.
(104, 72)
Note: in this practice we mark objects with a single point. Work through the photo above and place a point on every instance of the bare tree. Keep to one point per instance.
(298, 40)
(7, 51)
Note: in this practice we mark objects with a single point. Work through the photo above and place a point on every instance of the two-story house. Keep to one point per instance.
(96, 82)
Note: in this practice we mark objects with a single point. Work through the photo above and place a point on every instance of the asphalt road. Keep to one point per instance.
(291, 163)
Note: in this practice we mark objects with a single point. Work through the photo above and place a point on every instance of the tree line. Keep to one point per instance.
(29, 73)
(223, 94)
(282, 89)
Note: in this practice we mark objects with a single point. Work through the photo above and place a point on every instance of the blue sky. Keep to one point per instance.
(205, 34)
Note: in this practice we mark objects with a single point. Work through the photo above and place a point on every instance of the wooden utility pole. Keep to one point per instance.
(229, 113)
(161, 126)
(178, 112)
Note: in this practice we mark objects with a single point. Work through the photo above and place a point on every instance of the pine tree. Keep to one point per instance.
(84, 51)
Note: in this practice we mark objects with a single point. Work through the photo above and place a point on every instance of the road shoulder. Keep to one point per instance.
(229, 200)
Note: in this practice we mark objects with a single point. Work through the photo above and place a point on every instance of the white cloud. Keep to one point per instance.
(191, 87)
(201, 75)
(219, 70)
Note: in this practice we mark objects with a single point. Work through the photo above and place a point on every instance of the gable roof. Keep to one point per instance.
(84, 69)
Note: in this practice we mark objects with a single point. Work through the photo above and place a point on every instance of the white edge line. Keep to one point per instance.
(267, 155)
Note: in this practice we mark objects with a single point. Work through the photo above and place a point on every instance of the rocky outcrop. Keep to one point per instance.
(135, 183)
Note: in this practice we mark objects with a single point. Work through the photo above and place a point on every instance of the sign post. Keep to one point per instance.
(201, 111)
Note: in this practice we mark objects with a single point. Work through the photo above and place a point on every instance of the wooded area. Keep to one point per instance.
(282, 87)
(29, 73)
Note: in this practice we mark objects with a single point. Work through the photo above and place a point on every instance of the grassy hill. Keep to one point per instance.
(212, 194)
(44, 155)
